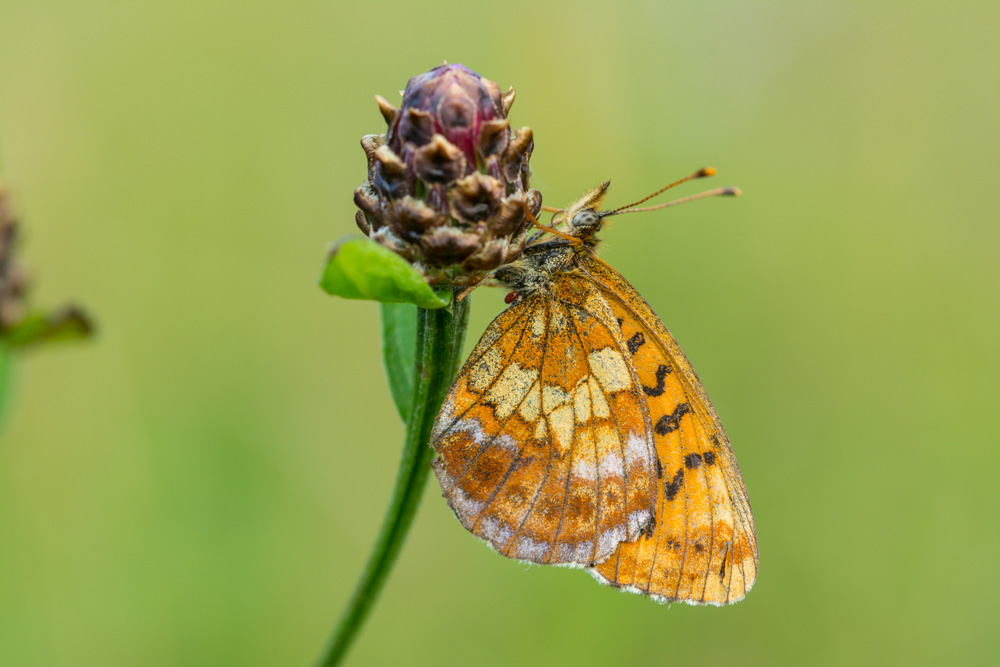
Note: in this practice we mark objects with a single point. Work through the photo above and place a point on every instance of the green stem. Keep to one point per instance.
(440, 334)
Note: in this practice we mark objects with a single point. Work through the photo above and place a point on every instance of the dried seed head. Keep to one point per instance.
(448, 183)
(13, 279)
(14, 293)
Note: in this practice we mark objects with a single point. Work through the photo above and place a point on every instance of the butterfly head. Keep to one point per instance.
(582, 216)
(583, 219)
(585, 222)
(576, 227)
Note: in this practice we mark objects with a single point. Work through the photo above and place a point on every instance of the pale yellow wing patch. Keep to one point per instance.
(545, 448)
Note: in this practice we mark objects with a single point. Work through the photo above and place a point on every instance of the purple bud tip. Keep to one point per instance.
(458, 101)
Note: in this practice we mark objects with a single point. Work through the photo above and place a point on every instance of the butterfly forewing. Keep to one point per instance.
(704, 548)
(545, 446)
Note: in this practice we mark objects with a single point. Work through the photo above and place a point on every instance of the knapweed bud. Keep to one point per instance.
(447, 185)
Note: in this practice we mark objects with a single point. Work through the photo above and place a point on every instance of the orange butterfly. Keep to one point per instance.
(577, 432)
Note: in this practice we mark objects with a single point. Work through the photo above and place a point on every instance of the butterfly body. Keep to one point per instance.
(578, 433)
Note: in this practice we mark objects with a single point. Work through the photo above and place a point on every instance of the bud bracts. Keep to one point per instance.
(447, 186)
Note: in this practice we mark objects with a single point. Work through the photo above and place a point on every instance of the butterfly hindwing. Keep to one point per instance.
(704, 547)
(545, 448)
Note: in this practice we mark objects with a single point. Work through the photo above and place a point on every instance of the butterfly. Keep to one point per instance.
(577, 433)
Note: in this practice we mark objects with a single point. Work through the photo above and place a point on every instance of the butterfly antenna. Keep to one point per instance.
(465, 292)
(550, 230)
(718, 192)
(701, 173)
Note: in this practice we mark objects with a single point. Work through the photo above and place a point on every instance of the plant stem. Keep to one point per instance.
(440, 334)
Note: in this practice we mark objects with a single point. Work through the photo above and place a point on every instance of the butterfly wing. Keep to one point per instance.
(704, 547)
(545, 447)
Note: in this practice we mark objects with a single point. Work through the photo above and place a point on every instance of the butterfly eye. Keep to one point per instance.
(586, 219)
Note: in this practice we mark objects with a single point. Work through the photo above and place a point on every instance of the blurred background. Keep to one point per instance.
(201, 483)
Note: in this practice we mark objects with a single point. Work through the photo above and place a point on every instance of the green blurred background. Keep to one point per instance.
(201, 484)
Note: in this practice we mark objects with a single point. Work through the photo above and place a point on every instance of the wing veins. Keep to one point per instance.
(692, 389)
(636, 391)
(711, 528)
(469, 362)
(687, 538)
(513, 465)
(597, 467)
(562, 514)
(737, 507)
(538, 491)
(659, 537)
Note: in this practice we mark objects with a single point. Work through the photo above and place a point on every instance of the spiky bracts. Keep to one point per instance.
(447, 186)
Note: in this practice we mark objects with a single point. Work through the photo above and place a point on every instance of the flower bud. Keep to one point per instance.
(447, 185)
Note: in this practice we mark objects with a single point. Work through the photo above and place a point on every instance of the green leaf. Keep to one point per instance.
(358, 268)
(399, 341)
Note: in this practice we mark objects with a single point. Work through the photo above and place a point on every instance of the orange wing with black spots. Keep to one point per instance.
(704, 547)
(545, 446)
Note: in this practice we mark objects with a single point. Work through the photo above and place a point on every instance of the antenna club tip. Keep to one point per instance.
(733, 192)
(707, 171)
